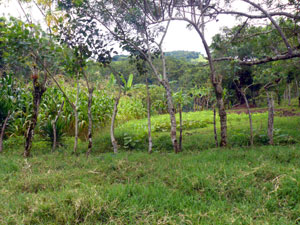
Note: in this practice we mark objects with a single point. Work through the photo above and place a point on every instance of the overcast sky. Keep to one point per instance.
(178, 36)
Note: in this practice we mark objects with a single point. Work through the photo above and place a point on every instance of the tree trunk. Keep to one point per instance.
(90, 128)
(38, 91)
(180, 131)
(164, 81)
(54, 136)
(215, 129)
(76, 116)
(297, 88)
(172, 115)
(250, 117)
(112, 126)
(297, 91)
(289, 94)
(270, 117)
(149, 119)
(278, 96)
(3, 131)
(222, 113)
(285, 94)
(54, 126)
(217, 84)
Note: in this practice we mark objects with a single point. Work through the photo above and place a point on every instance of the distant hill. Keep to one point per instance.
(189, 56)
(120, 58)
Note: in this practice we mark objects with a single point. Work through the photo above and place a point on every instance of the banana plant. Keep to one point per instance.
(127, 84)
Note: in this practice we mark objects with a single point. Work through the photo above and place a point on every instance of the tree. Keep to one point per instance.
(198, 13)
(87, 42)
(35, 51)
(260, 44)
(118, 78)
(128, 25)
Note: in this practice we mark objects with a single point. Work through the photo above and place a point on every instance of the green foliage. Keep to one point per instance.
(101, 108)
(46, 131)
(127, 84)
(26, 46)
(17, 101)
(130, 108)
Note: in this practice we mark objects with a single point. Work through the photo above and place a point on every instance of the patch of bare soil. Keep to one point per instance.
(243, 106)
(278, 112)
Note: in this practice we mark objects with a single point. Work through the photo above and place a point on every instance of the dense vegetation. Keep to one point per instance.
(87, 134)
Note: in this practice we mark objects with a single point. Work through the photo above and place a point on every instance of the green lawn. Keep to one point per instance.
(216, 186)
(198, 132)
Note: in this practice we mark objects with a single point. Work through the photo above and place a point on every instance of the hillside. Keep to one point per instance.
(189, 56)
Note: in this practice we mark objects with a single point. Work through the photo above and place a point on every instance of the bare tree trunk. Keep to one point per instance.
(284, 94)
(38, 91)
(180, 123)
(3, 131)
(207, 102)
(222, 113)
(297, 88)
(217, 84)
(54, 126)
(250, 117)
(289, 94)
(76, 116)
(90, 128)
(112, 126)
(171, 110)
(215, 129)
(164, 81)
(149, 118)
(270, 117)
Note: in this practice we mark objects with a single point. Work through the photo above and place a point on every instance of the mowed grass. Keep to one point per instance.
(258, 185)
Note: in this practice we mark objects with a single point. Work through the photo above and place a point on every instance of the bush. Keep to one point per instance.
(47, 131)
(126, 139)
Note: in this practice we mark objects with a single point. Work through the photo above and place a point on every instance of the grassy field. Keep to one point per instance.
(201, 185)
(198, 131)
(217, 186)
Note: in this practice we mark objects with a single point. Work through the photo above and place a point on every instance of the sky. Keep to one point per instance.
(177, 38)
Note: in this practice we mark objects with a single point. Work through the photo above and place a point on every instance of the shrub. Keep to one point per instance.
(47, 131)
